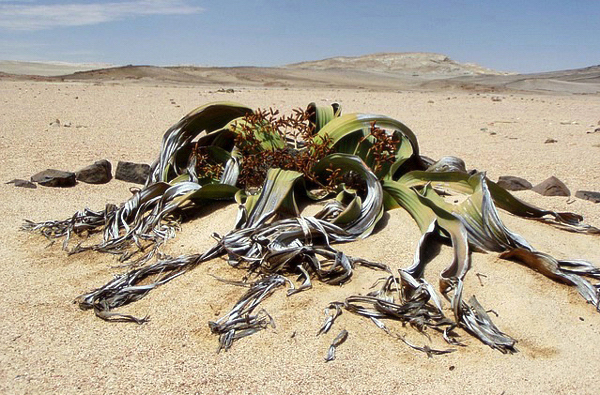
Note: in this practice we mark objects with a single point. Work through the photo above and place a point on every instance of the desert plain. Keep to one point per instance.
(48, 345)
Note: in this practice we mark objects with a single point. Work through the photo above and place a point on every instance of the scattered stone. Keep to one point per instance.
(570, 123)
(98, 173)
(512, 183)
(588, 195)
(56, 123)
(67, 125)
(550, 141)
(229, 90)
(54, 178)
(552, 187)
(484, 129)
(132, 172)
(22, 183)
(496, 98)
(597, 130)
(430, 101)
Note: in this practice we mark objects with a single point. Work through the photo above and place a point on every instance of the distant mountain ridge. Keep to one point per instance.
(401, 62)
(405, 63)
(47, 69)
(383, 71)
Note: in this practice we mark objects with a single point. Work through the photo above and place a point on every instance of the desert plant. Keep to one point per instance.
(366, 164)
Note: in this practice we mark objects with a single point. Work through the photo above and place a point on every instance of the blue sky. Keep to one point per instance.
(522, 36)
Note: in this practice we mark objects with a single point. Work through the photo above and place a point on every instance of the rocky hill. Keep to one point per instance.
(382, 71)
(410, 63)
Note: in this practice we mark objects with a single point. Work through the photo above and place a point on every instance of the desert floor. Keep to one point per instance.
(47, 345)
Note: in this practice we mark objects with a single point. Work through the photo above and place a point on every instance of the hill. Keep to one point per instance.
(420, 63)
(382, 71)
(46, 69)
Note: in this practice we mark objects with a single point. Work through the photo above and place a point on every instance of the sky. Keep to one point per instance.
(506, 35)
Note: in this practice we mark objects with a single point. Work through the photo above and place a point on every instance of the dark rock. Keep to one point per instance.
(54, 178)
(132, 172)
(22, 183)
(98, 173)
(552, 187)
(512, 183)
(588, 195)
(550, 141)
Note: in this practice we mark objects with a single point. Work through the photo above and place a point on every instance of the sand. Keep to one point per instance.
(47, 345)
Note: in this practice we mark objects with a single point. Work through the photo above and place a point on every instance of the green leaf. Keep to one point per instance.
(215, 192)
(207, 118)
(278, 185)
(321, 115)
(409, 200)
(346, 125)
(450, 181)
(350, 213)
(463, 183)
(372, 204)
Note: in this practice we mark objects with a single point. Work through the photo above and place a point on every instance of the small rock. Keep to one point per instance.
(496, 98)
(597, 130)
(56, 122)
(132, 172)
(550, 141)
(98, 173)
(22, 183)
(67, 125)
(54, 178)
(430, 101)
(512, 183)
(588, 195)
(552, 187)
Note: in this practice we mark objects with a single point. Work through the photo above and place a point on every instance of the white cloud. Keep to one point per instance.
(37, 17)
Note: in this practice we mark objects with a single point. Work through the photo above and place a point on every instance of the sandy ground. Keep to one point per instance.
(47, 345)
